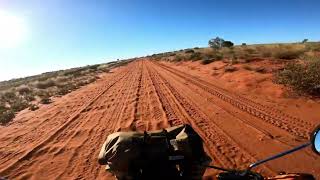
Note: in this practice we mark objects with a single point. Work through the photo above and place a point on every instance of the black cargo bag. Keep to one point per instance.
(175, 152)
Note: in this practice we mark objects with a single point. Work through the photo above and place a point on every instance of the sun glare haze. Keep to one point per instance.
(12, 31)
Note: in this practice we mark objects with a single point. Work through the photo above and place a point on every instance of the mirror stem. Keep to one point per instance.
(278, 155)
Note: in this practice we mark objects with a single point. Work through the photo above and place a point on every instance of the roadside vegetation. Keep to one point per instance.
(29, 92)
(302, 76)
(299, 63)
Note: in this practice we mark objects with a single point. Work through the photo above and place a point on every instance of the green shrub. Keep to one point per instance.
(41, 93)
(189, 51)
(19, 104)
(218, 56)
(227, 44)
(6, 116)
(195, 56)
(207, 61)
(2, 107)
(178, 58)
(33, 107)
(45, 100)
(66, 88)
(8, 96)
(303, 78)
(29, 97)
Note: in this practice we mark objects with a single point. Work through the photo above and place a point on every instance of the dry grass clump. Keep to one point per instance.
(23, 89)
(287, 54)
(196, 56)
(45, 84)
(303, 77)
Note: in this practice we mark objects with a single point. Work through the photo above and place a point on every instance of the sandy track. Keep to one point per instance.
(62, 140)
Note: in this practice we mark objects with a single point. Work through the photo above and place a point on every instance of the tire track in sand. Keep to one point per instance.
(221, 147)
(6, 168)
(242, 132)
(293, 125)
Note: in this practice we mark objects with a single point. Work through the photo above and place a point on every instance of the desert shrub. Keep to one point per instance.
(2, 107)
(6, 116)
(91, 79)
(234, 61)
(216, 43)
(189, 51)
(23, 89)
(41, 93)
(62, 79)
(19, 104)
(45, 100)
(250, 50)
(178, 58)
(227, 44)
(287, 54)
(218, 56)
(63, 91)
(94, 67)
(195, 56)
(230, 69)
(33, 107)
(45, 84)
(243, 44)
(196, 48)
(29, 97)
(313, 47)
(266, 53)
(207, 61)
(8, 96)
(65, 88)
(304, 78)
(43, 78)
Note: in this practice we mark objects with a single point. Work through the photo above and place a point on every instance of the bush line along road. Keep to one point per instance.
(64, 139)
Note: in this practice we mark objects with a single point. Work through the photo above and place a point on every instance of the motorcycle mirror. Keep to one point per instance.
(315, 140)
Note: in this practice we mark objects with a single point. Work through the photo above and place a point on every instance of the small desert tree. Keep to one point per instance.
(304, 41)
(216, 43)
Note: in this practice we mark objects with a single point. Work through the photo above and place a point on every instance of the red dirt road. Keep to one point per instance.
(62, 140)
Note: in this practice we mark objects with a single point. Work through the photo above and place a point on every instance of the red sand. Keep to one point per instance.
(242, 117)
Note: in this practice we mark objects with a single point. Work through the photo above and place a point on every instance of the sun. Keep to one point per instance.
(12, 30)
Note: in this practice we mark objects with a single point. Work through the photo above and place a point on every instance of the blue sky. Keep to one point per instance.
(64, 33)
